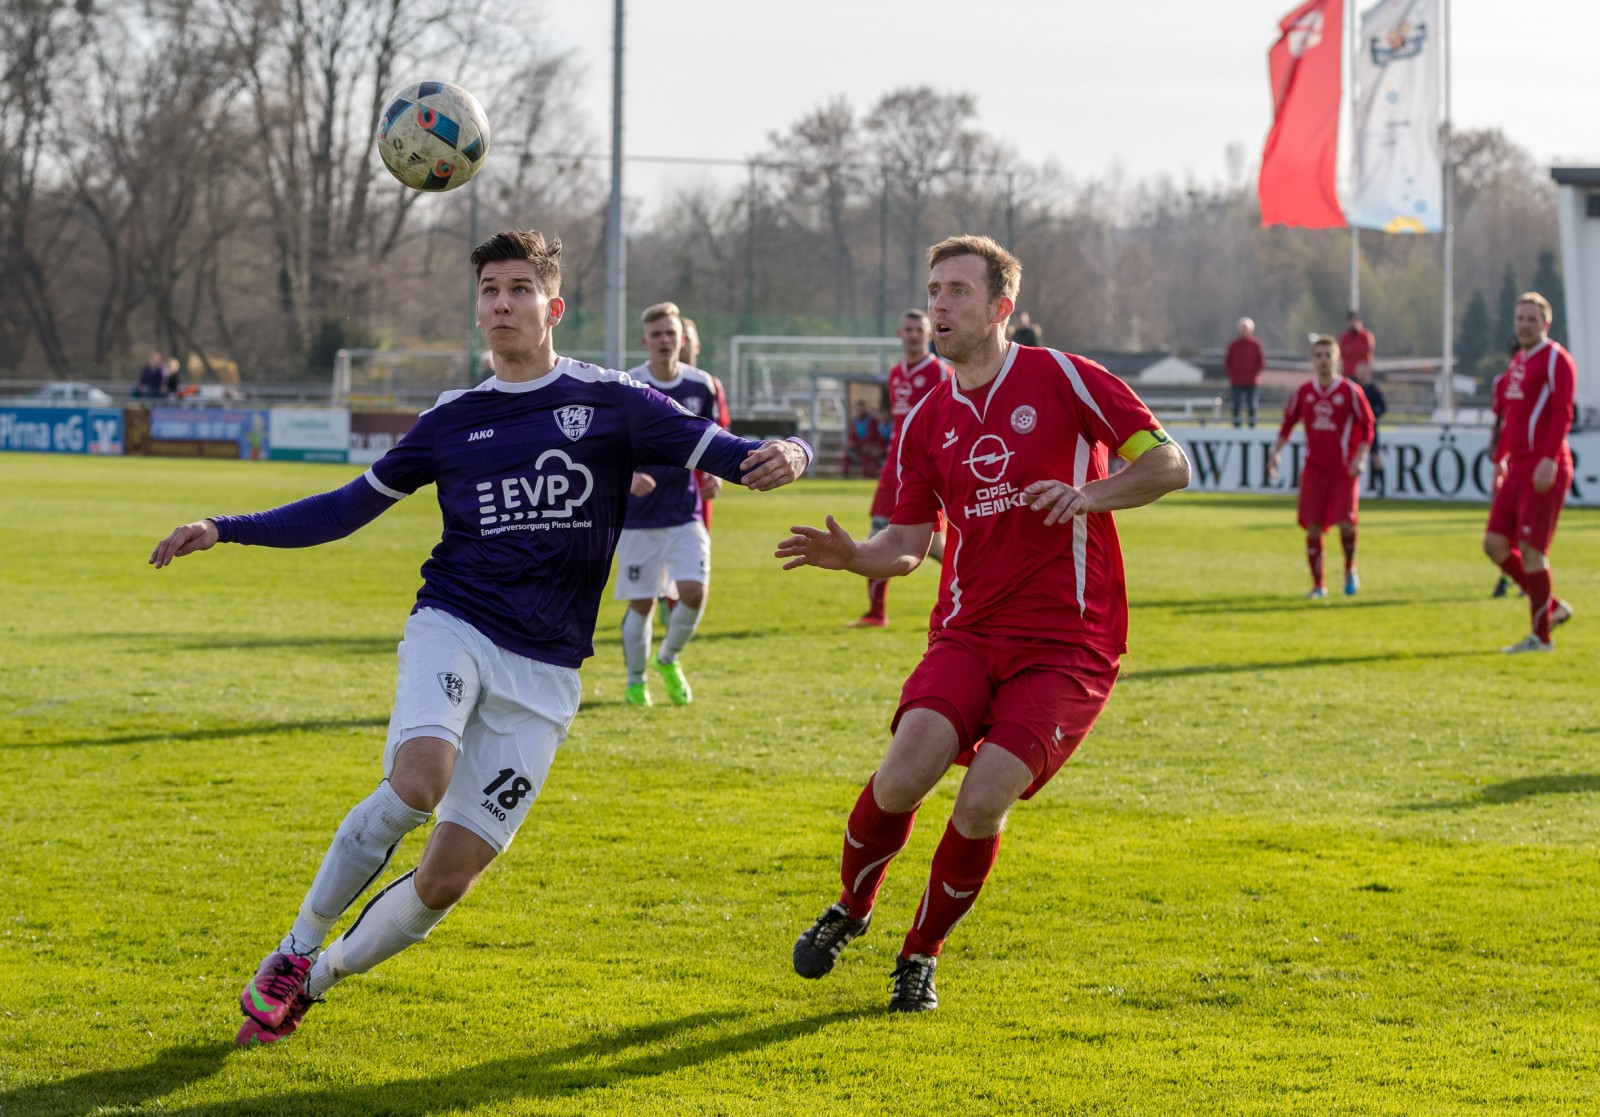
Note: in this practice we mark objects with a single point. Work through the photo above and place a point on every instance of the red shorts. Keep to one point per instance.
(1522, 515)
(1328, 497)
(1034, 701)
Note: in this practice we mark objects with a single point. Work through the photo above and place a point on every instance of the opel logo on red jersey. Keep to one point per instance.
(988, 458)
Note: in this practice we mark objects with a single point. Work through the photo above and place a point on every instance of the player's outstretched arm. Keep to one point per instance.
(896, 550)
(185, 539)
(774, 464)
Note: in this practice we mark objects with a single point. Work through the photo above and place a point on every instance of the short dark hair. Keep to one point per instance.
(524, 244)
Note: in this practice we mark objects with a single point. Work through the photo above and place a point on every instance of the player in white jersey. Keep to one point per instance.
(532, 470)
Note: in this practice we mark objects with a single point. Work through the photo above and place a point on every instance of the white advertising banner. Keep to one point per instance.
(1419, 463)
(310, 434)
(1399, 162)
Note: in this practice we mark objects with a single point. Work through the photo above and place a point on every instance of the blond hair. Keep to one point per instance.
(661, 310)
(1319, 340)
(1005, 272)
(1538, 300)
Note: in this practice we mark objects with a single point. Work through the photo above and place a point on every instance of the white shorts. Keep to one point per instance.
(505, 714)
(651, 561)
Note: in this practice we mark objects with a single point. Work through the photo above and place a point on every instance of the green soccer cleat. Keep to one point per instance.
(636, 695)
(677, 686)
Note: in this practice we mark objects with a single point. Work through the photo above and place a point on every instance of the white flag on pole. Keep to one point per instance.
(1399, 163)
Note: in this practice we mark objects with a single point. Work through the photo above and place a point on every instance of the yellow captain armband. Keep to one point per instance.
(1139, 443)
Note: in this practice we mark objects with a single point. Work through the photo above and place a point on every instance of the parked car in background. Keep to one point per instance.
(68, 391)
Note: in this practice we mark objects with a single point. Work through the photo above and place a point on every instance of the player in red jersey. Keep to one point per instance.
(1534, 463)
(1339, 428)
(1032, 613)
(914, 377)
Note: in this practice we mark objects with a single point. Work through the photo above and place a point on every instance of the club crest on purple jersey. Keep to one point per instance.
(574, 420)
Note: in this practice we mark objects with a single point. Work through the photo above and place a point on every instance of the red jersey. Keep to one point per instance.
(1355, 346)
(1338, 419)
(1534, 401)
(1047, 415)
(907, 386)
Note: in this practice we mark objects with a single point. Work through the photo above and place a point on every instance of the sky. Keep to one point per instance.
(1149, 86)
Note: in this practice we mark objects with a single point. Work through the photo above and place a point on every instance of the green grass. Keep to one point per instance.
(1313, 860)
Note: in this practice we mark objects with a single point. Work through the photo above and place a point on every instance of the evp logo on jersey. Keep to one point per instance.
(574, 420)
(1322, 415)
(560, 486)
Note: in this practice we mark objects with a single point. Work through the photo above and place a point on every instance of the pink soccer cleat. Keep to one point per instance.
(269, 997)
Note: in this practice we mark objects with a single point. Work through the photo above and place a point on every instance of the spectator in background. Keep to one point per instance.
(173, 380)
(864, 443)
(1025, 332)
(152, 380)
(1356, 347)
(1244, 361)
(1379, 405)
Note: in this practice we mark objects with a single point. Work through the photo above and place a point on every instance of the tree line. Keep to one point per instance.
(197, 177)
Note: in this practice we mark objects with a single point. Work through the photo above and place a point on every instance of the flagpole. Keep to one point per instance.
(1447, 364)
(1355, 155)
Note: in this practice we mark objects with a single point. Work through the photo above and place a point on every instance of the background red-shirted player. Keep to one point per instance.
(1533, 409)
(914, 377)
(1032, 613)
(1339, 427)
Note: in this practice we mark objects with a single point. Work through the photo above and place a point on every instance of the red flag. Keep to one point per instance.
(1302, 152)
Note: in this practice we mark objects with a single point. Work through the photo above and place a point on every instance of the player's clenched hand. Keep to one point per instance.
(710, 486)
(643, 484)
(1062, 500)
(773, 464)
(830, 549)
(1544, 475)
(198, 536)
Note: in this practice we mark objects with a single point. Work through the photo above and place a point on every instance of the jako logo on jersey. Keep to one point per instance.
(1024, 419)
(988, 458)
(479, 436)
(551, 494)
(455, 687)
(574, 420)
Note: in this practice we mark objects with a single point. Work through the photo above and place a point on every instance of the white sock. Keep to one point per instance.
(635, 643)
(361, 848)
(680, 627)
(392, 920)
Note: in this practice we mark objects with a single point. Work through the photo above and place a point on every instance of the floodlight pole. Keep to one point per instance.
(1447, 361)
(616, 248)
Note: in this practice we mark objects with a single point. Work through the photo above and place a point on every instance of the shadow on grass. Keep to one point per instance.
(98, 1090)
(1282, 603)
(1141, 676)
(220, 733)
(643, 1052)
(1515, 791)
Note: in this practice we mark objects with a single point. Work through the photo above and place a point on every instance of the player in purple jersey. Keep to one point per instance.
(532, 469)
(665, 548)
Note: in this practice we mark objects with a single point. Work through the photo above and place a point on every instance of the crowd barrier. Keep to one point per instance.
(1419, 463)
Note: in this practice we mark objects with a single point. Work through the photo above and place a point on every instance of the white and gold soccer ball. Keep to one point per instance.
(433, 136)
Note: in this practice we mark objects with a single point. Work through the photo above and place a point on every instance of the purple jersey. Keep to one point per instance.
(533, 483)
(676, 498)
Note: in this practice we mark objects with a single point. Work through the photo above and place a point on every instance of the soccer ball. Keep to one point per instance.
(433, 136)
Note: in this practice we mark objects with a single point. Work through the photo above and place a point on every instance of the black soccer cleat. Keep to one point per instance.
(1501, 586)
(913, 984)
(817, 950)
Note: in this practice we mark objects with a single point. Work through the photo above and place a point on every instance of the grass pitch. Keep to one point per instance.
(1314, 859)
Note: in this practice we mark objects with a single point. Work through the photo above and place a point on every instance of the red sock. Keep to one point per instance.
(871, 839)
(1539, 600)
(1513, 568)
(960, 866)
(1349, 550)
(1314, 559)
(877, 596)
